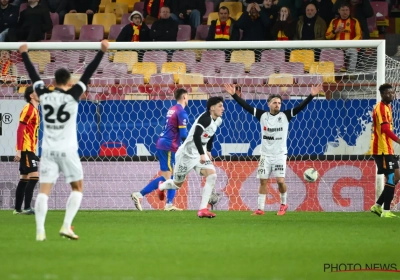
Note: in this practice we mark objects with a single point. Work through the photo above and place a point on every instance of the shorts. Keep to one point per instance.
(166, 159)
(386, 164)
(185, 163)
(28, 163)
(54, 162)
(271, 166)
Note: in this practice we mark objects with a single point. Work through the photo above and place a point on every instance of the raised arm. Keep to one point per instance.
(91, 68)
(33, 75)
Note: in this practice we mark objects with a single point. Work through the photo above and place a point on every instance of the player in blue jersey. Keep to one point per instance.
(174, 133)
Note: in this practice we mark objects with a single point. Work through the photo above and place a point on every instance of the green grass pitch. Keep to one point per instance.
(130, 245)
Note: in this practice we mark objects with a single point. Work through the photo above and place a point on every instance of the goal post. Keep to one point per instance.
(122, 114)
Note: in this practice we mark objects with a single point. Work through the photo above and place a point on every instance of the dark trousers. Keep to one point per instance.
(32, 34)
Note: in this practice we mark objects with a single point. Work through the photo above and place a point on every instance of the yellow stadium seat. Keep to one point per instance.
(175, 68)
(77, 20)
(211, 17)
(245, 57)
(103, 4)
(130, 3)
(192, 79)
(234, 8)
(324, 68)
(238, 15)
(304, 56)
(41, 58)
(145, 68)
(105, 19)
(280, 79)
(128, 57)
(119, 9)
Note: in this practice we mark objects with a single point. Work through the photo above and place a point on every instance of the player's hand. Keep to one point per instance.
(203, 159)
(104, 45)
(89, 12)
(316, 89)
(72, 11)
(209, 155)
(181, 16)
(17, 157)
(23, 48)
(231, 89)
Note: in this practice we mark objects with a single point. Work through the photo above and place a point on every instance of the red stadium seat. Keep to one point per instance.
(276, 57)
(202, 32)
(187, 57)
(92, 33)
(214, 57)
(114, 31)
(158, 57)
(209, 9)
(184, 32)
(336, 56)
(125, 19)
(65, 33)
(139, 6)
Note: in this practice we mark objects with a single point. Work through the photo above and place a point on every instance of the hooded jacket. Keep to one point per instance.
(126, 33)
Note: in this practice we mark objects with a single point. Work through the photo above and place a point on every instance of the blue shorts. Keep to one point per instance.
(166, 159)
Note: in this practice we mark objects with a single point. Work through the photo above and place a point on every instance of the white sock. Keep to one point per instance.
(41, 208)
(261, 201)
(139, 195)
(167, 205)
(73, 204)
(207, 190)
(167, 185)
(283, 198)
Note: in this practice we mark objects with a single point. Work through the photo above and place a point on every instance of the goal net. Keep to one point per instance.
(123, 112)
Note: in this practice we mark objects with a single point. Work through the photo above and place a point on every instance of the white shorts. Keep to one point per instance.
(185, 163)
(271, 166)
(54, 162)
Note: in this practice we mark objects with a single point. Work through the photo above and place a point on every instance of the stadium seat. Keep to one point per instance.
(103, 4)
(158, 57)
(212, 16)
(234, 7)
(118, 9)
(294, 68)
(238, 15)
(213, 57)
(245, 57)
(381, 11)
(18, 69)
(162, 79)
(202, 32)
(184, 32)
(276, 57)
(209, 9)
(334, 55)
(250, 80)
(23, 6)
(102, 81)
(115, 68)
(190, 78)
(131, 80)
(125, 19)
(55, 19)
(326, 69)
(115, 29)
(139, 6)
(128, 57)
(233, 69)
(64, 33)
(92, 33)
(174, 68)
(372, 27)
(41, 58)
(145, 68)
(67, 57)
(262, 69)
(280, 79)
(188, 57)
(310, 79)
(106, 20)
(76, 19)
(204, 68)
(51, 67)
(304, 56)
(130, 3)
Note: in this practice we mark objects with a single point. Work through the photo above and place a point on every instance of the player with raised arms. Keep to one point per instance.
(274, 132)
(195, 154)
(174, 133)
(60, 142)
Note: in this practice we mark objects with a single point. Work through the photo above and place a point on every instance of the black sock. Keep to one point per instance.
(19, 193)
(29, 191)
(389, 194)
(381, 198)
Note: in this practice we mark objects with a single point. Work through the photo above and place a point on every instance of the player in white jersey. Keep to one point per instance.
(195, 154)
(60, 142)
(274, 131)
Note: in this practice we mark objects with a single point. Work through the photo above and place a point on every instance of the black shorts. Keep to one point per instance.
(28, 163)
(386, 163)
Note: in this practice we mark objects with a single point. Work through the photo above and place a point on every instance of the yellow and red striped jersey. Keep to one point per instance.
(380, 142)
(351, 31)
(30, 117)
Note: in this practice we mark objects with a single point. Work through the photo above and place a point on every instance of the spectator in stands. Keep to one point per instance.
(57, 6)
(190, 12)
(285, 27)
(224, 28)
(345, 28)
(271, 11)
(33, 23)
(89, 7)
(136, 31)
(8, 18)
(324, 9)
(152, 9)
(294, 6)
(311, 26)
(254, 23)
(164, 29)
